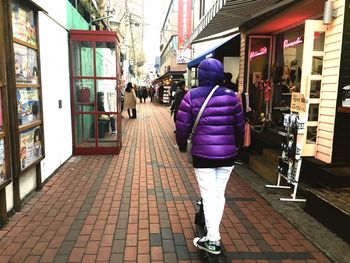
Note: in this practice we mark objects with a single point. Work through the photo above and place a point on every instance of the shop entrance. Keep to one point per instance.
(95, 76)
(311, 82)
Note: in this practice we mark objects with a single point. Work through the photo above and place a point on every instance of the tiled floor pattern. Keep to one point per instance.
(139, 207)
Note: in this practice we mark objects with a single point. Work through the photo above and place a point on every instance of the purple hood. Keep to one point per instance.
(221, 126)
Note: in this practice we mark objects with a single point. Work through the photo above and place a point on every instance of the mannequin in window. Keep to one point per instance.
(101, 108)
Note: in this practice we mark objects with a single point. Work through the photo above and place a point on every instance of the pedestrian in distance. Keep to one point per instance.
(214, 143)
(179, 94)
(151, 93)
(144, 94)
(130, 101)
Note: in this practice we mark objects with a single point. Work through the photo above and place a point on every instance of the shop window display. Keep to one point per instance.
(28, 92)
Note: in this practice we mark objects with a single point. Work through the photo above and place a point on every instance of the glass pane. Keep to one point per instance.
(311, 135)
(105, 59)
(107, 132)
(315, 88)
(84, 95)
(317, 63)
(28, 105)
(84, 125)
(313, 112)
(106, 95)
(1, 115)
(23, 24)
(30, 146)
(83, 63)
(26, 64)
(3, 177)
(319, 38)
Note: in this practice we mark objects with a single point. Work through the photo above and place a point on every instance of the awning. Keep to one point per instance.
(172, 74)
(228, 14)
(210, 53)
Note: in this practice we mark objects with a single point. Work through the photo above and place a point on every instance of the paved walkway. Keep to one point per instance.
(139, 207)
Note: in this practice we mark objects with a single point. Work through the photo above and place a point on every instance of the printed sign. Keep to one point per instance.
(28, 105)
(184, 21)
(298, 103)
(26, 65)
(30, 146)
(2, 162)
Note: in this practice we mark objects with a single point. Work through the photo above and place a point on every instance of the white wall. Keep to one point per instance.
(9, 197)
(55, 86)
(56, 9)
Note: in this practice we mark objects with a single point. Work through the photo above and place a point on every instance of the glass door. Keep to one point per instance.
(311, 81)
(95, 103)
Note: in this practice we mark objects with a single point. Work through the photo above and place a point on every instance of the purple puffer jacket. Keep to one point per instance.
(221, 125)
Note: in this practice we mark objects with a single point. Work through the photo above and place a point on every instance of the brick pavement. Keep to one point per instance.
(139, 207)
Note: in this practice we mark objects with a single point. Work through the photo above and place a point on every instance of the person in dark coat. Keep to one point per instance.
(101, 108)
(179, 94)
(144, 94)
(214, 144)
(228, 82)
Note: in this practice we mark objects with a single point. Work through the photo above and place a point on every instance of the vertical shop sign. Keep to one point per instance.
(184, 21)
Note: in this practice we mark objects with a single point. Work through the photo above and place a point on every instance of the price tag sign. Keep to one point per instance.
(298, 103)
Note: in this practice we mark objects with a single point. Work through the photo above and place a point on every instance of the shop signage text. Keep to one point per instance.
(260, 52)
(298, 103)
(287, 44)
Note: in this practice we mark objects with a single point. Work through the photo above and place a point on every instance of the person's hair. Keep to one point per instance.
(37, 133)
(128, 87)
(100, 106)
(181, 83)
(227, 76)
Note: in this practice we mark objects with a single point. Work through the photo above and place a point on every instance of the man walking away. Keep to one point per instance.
(179, 94)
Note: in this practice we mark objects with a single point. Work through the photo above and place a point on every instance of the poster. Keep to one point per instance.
(2, 162)
(26, 64)
(30, 146)
(28, 105)
(23, 24)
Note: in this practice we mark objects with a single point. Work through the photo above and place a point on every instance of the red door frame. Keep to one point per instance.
(93, 37)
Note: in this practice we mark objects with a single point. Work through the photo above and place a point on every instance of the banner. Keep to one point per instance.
(184, 23)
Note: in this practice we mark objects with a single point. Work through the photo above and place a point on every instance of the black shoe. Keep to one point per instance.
(203, 243)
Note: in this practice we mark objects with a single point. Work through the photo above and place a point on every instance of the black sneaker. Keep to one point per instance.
(203, 243)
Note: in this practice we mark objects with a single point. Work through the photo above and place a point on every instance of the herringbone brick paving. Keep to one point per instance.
(139, 207)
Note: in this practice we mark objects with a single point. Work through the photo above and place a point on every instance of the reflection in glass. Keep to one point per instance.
(106, 95)
(84, 95)
(317, 63)
(315, 88)
(105, 59)
(84, 130)
(83, 59)
(311, 135)
(313, 112)
(26, 64)
(319, 38)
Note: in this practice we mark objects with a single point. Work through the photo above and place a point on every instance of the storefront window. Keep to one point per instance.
(319, 38)
(313, 112)
(28, 94)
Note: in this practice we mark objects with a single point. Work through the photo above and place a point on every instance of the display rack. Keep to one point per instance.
(289, 163)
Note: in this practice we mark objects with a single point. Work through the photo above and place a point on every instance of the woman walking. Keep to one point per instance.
(214, 143)
(130, 101)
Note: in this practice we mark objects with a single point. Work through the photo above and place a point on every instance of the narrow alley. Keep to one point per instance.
(139, 206)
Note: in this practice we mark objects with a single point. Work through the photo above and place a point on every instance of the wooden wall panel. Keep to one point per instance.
(242, 63)
(330, 81)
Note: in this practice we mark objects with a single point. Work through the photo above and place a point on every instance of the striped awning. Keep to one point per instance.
(226, 15)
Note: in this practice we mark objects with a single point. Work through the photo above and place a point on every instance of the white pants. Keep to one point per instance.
(212, 183)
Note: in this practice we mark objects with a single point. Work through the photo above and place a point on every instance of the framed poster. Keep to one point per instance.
(28, 105)
(23, 24)
(30, 146)
(3, 177)
(26, 64)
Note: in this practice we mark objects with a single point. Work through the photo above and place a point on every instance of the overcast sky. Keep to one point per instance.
(155, 11)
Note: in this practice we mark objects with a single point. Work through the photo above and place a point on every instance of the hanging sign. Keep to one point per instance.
(298, 103)
(287, 44)
(260, 52)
